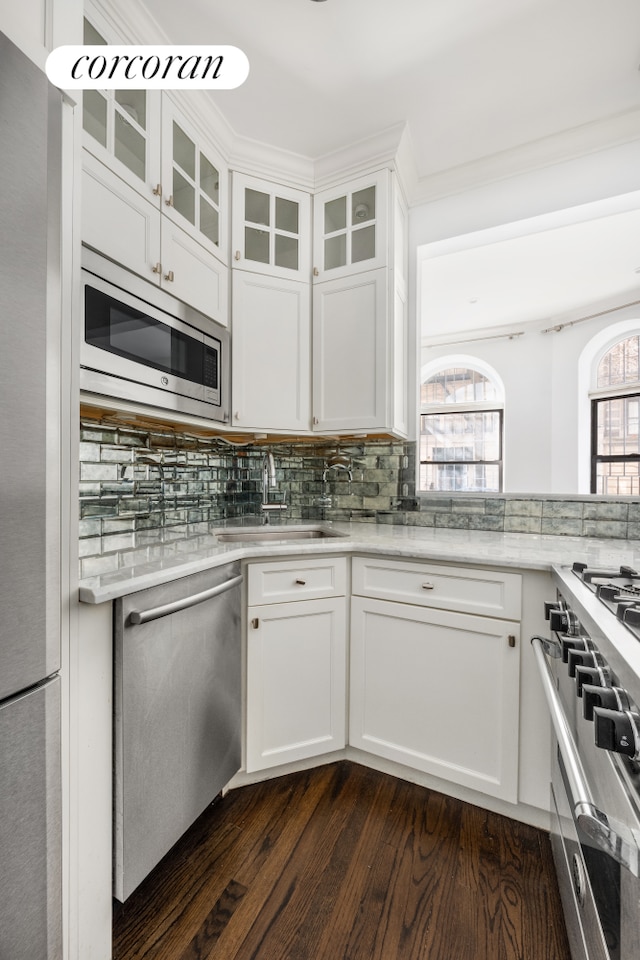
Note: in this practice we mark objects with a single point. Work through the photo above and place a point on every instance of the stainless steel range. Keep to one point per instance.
(590, 670)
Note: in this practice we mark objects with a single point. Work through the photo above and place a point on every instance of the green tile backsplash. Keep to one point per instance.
(134, 483)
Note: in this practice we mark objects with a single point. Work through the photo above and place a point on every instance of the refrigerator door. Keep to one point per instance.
(30, 818)
(30, 161)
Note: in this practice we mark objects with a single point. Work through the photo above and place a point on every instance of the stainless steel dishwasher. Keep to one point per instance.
(177, 726)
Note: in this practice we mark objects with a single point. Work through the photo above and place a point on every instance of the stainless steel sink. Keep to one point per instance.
(268, 534)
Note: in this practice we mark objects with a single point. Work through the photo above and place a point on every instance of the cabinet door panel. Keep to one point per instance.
(296, 676)
(270, 381)
(438, 692)
(350, 227)
(117, 221)
(197, 278)
(350, 353)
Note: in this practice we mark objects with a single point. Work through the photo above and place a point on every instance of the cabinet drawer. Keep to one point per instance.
(485, 592)
(296, 579)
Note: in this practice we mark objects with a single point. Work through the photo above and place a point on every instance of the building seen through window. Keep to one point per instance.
(461, 430)
(615, 408)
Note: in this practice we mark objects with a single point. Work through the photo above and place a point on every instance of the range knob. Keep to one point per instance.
(594, 676)
(564, 621)
(572, 643)
(611, 698)
(617, 730)
(581, 658)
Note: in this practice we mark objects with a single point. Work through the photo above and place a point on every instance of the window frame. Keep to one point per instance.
(456, 409)
(596, 397)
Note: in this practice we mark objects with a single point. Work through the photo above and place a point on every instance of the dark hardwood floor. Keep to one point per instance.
(344, 863)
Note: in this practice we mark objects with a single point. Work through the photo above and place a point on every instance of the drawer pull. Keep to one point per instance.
(428, 586)
(255, 623)
(302, 583)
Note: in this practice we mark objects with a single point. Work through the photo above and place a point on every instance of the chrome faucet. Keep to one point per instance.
(269, 482)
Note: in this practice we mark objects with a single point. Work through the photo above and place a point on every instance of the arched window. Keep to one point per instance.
(615, 410)
(461, 428)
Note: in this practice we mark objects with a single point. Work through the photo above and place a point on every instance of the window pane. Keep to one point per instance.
(617, 426)
(286, 252)
(363, 206)
(184, 151)
(184, 197)
(286, 215)
(458, 385)
(94, 115)
(256, 206)
(618, 479)
(209, 179)
(335, 252)
(134, 103)
(209, 221)
(472, 478)
(620, 365)
(91, 36)
(335, 215)
(256, 245)
(129, 145)
(363, 244)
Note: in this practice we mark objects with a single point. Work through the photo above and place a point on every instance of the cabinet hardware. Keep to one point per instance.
(255, 622)
(237, 255)
(169, 276)
(428, 586)
(316, 272)
(157, 268)
(169, 202)
(302, 583)
(157, 190)
(315, 420)
(236, 415)
(512, 640)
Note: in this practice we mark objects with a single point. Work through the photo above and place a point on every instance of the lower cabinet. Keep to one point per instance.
(296, 662)
(434, 689)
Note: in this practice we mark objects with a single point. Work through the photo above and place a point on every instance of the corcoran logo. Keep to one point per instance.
(121, 67)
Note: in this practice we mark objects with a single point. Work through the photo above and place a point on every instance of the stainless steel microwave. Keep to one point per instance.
(142, 344)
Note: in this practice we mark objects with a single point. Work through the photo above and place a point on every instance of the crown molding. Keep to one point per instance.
(547, 151)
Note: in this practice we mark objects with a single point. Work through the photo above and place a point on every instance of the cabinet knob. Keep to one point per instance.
(301, 582)
(511, 640)
(237, 255)
(169, 276)
(236, 415)
(169, 201)
(316, 272)
(255, 623)
(157, 268)
(157, 190)
(428, 586)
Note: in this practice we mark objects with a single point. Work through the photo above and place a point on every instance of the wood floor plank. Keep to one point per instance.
(345, 863)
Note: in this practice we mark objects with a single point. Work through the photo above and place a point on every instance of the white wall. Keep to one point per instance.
(539, 371)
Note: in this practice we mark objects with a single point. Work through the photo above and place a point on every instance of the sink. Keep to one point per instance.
(267, 534)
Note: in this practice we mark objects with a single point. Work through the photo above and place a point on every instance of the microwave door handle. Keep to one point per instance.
(614, 838)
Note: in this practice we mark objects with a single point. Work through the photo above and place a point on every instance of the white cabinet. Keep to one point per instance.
(360, 323)
(270, 357)
(154, 193)
(296, 661)
(431, 687)
(351, 227)
(270, 228)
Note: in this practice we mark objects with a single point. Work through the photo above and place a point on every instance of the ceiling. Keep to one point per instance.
(470, 78)
(475, 82)
(539, 277)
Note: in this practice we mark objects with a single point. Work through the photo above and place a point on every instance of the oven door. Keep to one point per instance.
(595, 829)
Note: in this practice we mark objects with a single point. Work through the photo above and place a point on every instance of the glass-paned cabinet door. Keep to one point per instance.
(271, 228)
(194, 181)
(121, 128)
(350, 227)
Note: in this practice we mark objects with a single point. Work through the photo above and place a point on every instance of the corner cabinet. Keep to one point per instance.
(296, 660)
(154, 192)
(435, 668)
(271, 297)
(360, 323)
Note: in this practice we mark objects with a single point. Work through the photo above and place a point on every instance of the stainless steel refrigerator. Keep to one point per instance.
(30, 808)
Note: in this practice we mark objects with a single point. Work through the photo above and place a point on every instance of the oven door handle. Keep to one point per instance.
(615, 838)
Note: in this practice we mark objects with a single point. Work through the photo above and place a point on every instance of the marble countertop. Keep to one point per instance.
(160, 556)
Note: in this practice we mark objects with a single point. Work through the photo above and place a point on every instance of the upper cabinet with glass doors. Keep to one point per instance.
(271, 229)
(350, 232)
(122, 129)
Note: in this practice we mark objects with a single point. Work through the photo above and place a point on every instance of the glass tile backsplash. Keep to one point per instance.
(134, 483)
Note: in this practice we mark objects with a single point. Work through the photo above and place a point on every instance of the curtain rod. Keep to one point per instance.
(592, 316)
(493, 336)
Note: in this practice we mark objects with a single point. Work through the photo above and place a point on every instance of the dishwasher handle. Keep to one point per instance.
(616, 839)
(144, 616)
